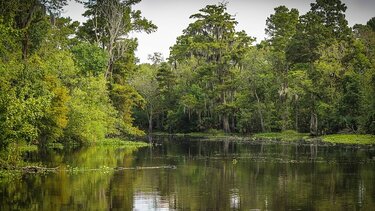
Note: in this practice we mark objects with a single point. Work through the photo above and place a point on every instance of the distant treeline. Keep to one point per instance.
(313, 73)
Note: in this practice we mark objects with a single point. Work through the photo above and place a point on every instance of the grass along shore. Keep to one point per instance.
(349, 138)
(288, 135)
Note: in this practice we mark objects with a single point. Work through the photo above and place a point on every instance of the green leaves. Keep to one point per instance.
(333, 18)
(281, 26)
(24, 101)
(91, 116)
(211, 41)
(91, 60)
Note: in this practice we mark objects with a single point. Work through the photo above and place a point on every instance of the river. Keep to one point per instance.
(209, 175)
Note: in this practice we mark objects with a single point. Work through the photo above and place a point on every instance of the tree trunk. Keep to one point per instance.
(150, 122)
(285, 85)
(108, 72)
(313, 118)
(226, 127)
(25, 46)
(225, 116)
(200, 120)
(260, 113)
(233, 122)
(226, 147)
(43, 141)
(296, 117)
(261, 122)
(285, 115)
(314, 124)
(24, 25)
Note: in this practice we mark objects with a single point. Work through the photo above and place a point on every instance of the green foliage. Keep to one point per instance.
(281, 26)
(303, 47)
(62, 33)
(371, 23)
(212, 42)
(11, 158)
(255, 105)
(125, 98)
(349, 106)
(63, 82)
(145, 82)
(56, 118)
(8, 41)
(90, 59)
(91, 114)
(308, 76)
(24, 101)
(109, 22)
(29, 18)
(333, 17)
(52, 84)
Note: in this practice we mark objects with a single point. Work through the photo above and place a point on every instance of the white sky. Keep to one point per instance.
(172, 16)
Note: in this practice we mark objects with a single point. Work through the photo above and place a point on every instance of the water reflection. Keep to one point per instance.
(264, 176)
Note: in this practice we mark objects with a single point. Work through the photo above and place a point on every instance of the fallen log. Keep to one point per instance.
(38, 169)
(144, 167)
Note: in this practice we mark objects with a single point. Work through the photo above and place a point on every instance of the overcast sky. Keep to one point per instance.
(172, 16)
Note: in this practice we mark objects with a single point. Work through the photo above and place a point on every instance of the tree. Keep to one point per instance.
(256, 93)
(24, 101)
(281, 27)
(91, 115)
(319, 29)
(332, 13)
(212, 40)
(90, 59)
(166, 84)
(109, 24)
(362, 57)
(371, 23)
(28, 17)
(147, 85)
(303, 47)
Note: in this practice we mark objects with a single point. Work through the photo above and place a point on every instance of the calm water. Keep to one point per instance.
(210, 175)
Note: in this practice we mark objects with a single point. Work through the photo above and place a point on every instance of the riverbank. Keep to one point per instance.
(289, 135)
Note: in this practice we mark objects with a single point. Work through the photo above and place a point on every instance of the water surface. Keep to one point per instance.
(210, 175)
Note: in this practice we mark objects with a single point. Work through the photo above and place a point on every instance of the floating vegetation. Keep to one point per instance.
(118, 142)
(107, 169)
(349, 139)
(288, 135)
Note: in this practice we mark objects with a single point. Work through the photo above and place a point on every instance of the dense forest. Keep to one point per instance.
(62, 81)
(312, 74)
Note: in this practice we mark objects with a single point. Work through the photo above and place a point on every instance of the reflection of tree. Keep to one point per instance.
(226, 147)
(313, 151)
(68, 190)
(272, 178)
